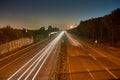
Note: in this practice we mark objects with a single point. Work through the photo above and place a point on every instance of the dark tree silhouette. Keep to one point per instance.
(106, 28)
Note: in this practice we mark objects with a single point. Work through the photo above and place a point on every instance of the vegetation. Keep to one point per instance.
(61, 67)
(8, 33)
(104, 29)
(43, 33)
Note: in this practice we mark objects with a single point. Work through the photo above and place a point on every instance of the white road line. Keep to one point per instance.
(111, 73)
(95, 59)
(92, 56)
(90, 74)
(97, 51)
(78, 43)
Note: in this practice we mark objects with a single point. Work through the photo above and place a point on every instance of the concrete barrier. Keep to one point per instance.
(12, 45)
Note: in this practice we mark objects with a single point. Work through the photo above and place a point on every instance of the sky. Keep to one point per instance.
(33, 14)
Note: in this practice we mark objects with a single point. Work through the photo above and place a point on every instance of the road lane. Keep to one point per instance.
(84, 62)
(7, 60)
(87, 63)
(29, 69)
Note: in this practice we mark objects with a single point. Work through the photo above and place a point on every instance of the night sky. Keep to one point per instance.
(33, 14)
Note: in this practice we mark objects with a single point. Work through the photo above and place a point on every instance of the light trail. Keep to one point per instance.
(47, 51)
(42, 56)
(76, 43)
(73, 41)
(20, 51)
(38, 59)
(25, 64)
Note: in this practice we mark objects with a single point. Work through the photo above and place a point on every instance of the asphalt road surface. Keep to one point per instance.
(32, 63)
(85, 62)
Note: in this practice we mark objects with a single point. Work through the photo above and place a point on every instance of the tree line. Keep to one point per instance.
(104, 29)
(8, 33)
(43, 33)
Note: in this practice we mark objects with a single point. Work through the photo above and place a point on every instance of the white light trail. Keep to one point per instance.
(45, 52)
(54, 42)
(72, 40)
(42, 56)
(76, 43)
(38, 59)
(25, 65)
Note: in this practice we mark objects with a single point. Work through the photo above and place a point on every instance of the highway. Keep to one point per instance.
(86, 62)
(32, 63)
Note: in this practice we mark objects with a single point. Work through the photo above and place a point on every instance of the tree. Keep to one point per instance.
(42, 28)
(112, 22)
(56, 29)
(50, 29)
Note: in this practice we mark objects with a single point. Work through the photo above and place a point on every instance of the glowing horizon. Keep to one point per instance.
(34, 14)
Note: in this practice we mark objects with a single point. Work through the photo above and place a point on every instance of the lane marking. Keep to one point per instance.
(97, 61)
(97, 51)
(111, 73)
(92, 56)
(90, 74)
